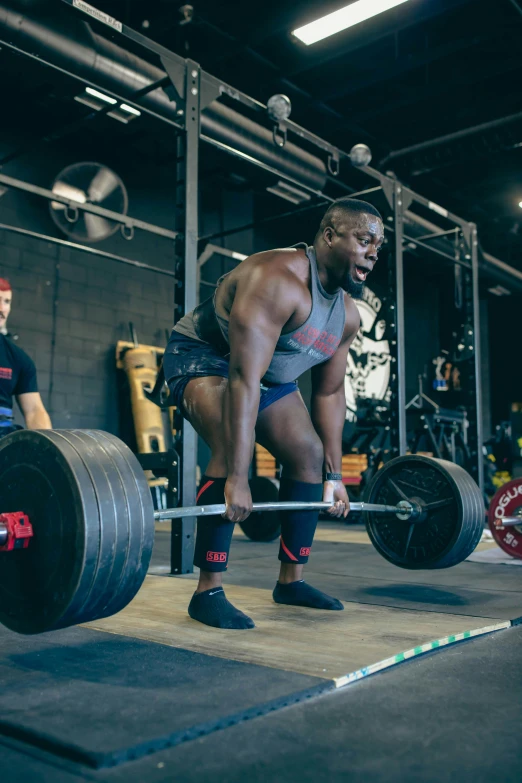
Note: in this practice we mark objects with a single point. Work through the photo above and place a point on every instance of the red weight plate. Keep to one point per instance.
(507, 503)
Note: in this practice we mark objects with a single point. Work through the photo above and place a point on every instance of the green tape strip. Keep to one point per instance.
(366, 671)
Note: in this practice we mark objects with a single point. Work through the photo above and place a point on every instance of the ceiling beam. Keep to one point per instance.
(455, 136)
(440, 89)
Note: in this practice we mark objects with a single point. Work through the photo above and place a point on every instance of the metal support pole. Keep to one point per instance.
(182, 538)
(399, 425)
(95, 251)
(476, 448)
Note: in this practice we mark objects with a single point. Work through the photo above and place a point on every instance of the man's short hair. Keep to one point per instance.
(346, 205)
(5, 285)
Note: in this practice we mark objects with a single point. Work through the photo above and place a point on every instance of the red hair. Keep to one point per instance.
(5, 285)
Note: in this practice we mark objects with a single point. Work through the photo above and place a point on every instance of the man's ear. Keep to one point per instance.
(328, 235)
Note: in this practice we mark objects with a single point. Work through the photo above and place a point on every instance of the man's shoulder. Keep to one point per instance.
(285, 262)
(279, 255)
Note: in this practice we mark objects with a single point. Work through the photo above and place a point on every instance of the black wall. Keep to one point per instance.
(505, 333)
(70, 308)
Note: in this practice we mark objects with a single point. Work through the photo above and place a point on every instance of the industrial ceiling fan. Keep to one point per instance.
(88, 183)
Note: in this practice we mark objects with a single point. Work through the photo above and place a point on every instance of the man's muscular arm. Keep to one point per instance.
(328, 397)
(35, 415)
(264, 301)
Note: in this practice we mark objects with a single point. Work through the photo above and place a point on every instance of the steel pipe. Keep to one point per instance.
(125, 220)
(86, 249)
(73, 47)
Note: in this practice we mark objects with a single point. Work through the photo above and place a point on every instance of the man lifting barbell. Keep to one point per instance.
(231, 366)
(76, 513)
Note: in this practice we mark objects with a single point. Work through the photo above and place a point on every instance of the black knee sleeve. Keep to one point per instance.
(214, 533)
(298, 527)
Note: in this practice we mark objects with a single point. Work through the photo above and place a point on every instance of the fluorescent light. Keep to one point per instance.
(100, 95)
(499, 290)
(520, 204)
(346, 17)
(130, 109)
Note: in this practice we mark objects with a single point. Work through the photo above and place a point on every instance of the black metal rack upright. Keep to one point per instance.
(182, 536)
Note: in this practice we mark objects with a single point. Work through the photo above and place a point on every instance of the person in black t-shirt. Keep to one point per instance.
(17, 377)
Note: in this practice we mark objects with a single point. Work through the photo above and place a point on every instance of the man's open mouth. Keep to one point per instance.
(360, 273)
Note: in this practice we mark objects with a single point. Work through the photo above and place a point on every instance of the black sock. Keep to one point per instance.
(302, 594)
(211, 607)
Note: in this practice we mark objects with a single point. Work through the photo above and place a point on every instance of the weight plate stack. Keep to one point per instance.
(136, 526)
(40, 586)
(93, 525)
(452, 516)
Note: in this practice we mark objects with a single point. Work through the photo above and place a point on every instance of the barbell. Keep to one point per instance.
(77, 523)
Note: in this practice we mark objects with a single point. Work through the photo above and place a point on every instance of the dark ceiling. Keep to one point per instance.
(422, 70)
(425, 69)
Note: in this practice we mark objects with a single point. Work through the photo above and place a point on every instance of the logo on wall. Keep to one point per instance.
(368, 366)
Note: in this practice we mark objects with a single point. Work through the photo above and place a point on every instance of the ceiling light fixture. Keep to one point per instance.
(499, 290)
(100, 95)
(130, 109)
(520, 204)
(340, 20)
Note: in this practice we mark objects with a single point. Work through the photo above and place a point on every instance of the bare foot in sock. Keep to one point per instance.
(302, 594)
(211, 607)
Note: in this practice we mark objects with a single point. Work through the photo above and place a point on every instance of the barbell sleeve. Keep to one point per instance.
(220, 508)
(3, 534)
(510, 521)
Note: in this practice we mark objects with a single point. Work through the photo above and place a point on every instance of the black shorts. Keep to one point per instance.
(186, 358)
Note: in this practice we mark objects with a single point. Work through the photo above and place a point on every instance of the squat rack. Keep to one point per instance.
(187, 98)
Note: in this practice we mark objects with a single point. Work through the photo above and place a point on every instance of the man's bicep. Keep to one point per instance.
(252, 337)
(260, 310)
(267, 297)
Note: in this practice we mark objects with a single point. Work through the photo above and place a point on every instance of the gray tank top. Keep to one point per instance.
(312, 343)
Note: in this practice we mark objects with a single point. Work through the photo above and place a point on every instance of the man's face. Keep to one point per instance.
(5, 307)
(354, 244)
